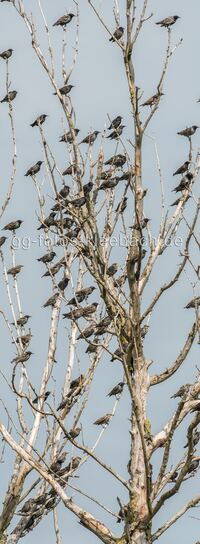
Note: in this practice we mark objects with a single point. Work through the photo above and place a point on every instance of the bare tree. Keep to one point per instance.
(102, 302)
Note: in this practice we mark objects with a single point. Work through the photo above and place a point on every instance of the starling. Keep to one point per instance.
(90, 139)
(112, 269)
(194, 303)
(118, 354)
(122, 205)
(24, 340)
(54, 467)
(77, 382)
(63, 192)
(117, 34)
(109, 184)
(81, 312)
(64, 20)
(184, 183)
(15, 270)
(117, 390)
(183, 168)
(87, 332)
(39, 120)
(92, 348)
(63, 283)
(22, 358)
(51, 301)
(54, 269)
(102, 326)
(74, 432)
(64, 223)
(47, 258)
(153, 100)
(78, 202)
(6, 54)
(117, 160)
(71, 234)
(181, 391)
(48, 222)
(67, 137)
(142, 225)
(34, 169)
(196, 438)
(127, 175)
(74, 463)
(115, 123)
(176, 202)
(22, 320)
(9, 97)
(65, 90)
(169, 21)
(188, 132)
(193, 466)
(13, 225)
(72, 169)
(104, 420)
(44, 397)
(2, 240)
(81, 295)
(116, 133)
(28, 504)
(87, 188)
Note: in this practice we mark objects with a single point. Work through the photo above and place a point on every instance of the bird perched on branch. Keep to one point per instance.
(104, 420)
(65, 90)
(56, 465)
(176, 202)
(39, 120)
(13, 225)
(141, 225)
(64, 20)
(34, 169)
(168, 21)
(63, 283)
(87, 332)
(153, 100)
(181, 391)
(52, 300)
(78, 202)
(112, 269)
(68, 136)
(74, 432)
(47, 258)
(122, 205)
(24, 339)
(22, 358)
(81, 312)
(63, 192)
(117, 34)
(117, 390)
(2, 240)
(81, 295)
(183, 168)
(117, 160)
(118, 354)
(44, 397)
(9, 97)
(54, 269)
(193, 466)
(195, 439)
(90, 139)
(109, 184)
(6, 54)
(48, 222)
(72, 169)
(22, 320)
(15, 270)
(103, 325)
(116, 133)
(194, 303)
(184, 183)
(188, 132)
(115, 123)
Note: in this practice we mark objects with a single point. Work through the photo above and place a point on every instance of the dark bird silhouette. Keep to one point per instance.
(188, 132)
(22, 358)
(104, 420)
(117, 390)
(183, 168)
(90, 139)
(39, 120)
(193, 466)
(181, 391)
(153, 100)
(122, 205)
(116, 133)
(196, 438)
(176, 202)
(81, 312)
(142, 225)
(184, 183)
(22, 320)
(112, 269)
(115, 123)
(74, 432)
(65, 90)
(47, 258)
(56, 465)
(117, 160)
(44, 397)
(68, 137)
(51, 301)
(24, 339)
(9, 97)
(118, 354)
(6, 54)
(117, 34)
(63, 283)
(87, 332)
(34, 169)
(64, 20)
(81, 295)
(109, 184)
(54, 269)
(15, 270)
(28, 504)
(74, 463)
(72, 169)
(78, 202)
(92, 348)
(13, 225)
(2, 240)
(64, 192)
(103, 325)
(87, 188)
(168, 21)
(48, 222)
(194, 303)
(76, 383)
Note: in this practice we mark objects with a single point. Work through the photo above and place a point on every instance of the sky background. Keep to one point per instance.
(101, 89)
